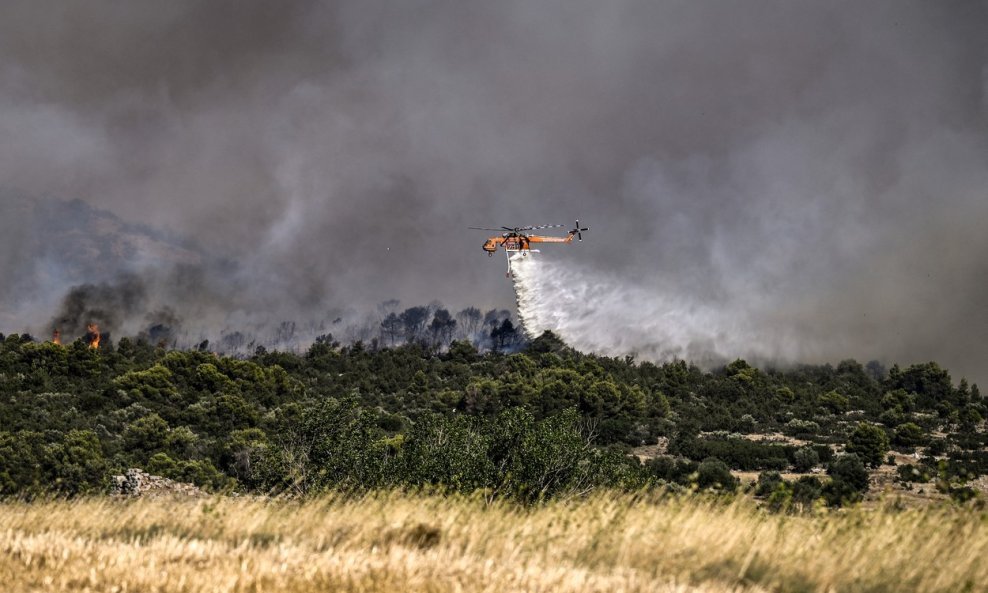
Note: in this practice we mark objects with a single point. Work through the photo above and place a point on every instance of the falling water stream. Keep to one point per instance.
(594, 312)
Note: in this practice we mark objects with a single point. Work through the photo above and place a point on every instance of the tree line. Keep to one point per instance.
(529, 424)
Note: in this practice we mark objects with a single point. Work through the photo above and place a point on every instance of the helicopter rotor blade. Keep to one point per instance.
(520, 229)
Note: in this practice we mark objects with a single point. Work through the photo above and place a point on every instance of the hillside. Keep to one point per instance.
(64, 243)
(535, 424)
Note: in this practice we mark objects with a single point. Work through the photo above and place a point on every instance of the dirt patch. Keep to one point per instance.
(646, 452)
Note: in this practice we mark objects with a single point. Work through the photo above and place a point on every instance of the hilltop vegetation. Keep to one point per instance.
(530, 425)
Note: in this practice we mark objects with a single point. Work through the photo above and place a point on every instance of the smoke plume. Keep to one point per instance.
(103, 304)
(767, 178)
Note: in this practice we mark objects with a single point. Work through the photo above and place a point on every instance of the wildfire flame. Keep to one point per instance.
(56, 337)
(93, 335)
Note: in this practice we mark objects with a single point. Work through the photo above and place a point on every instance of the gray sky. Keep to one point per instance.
(815, 168)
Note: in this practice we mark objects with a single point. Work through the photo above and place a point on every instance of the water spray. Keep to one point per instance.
(595, 312)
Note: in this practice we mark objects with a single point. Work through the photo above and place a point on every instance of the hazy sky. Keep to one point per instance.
(818, 170)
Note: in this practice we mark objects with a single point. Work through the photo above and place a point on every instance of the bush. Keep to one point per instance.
(768, 482)
(909, 434)
(805, 459)
(677, 470)
(870, 443)
(77, 464)
(65, 464)
(835, 402)
(801, 428)
(735, 452)
(893, 417)
(937, 447)
(849, 480)
(714, 473)
(849, 468)
(772, 463)
(837, 493)
(912, 473)
(746, 424)
(806, 490)
(825, 452)
(962, 494)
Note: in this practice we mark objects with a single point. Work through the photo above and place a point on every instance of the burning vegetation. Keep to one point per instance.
(127, 306)
(93, 335)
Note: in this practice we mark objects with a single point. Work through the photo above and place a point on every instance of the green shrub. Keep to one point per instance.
(912, 473)
(849, 480)
(835, 402)
(806, 490)
(768, 482)
(909, 434)
(798, 427)
(805, 459)
(869, 442)
(714, 473)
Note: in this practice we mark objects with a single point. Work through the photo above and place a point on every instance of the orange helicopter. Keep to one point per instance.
(517, 239)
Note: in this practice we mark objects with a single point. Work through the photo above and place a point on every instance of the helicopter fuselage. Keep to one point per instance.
(510, 243)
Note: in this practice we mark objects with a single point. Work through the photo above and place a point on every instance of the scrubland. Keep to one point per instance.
(412, 542)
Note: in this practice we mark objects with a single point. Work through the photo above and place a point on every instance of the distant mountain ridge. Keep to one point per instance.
(49, 245)
(92, 242)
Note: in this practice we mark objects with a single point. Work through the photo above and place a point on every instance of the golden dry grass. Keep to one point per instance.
(402, 542)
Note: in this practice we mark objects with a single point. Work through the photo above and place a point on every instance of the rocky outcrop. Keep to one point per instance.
(137, 482)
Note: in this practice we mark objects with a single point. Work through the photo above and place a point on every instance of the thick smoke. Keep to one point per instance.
(104, 304)
(808, 179)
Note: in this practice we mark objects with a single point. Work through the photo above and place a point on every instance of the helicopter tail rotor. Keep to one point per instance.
(578, 231)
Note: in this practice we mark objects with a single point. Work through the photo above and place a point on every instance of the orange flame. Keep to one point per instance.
(93, 335)
(56, 337)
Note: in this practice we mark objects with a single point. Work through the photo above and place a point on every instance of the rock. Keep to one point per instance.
(137, 482)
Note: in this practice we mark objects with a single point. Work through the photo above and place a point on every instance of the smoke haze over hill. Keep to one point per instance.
(814, 175)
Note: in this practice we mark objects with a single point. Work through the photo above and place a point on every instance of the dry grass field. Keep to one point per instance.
(399, 542)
